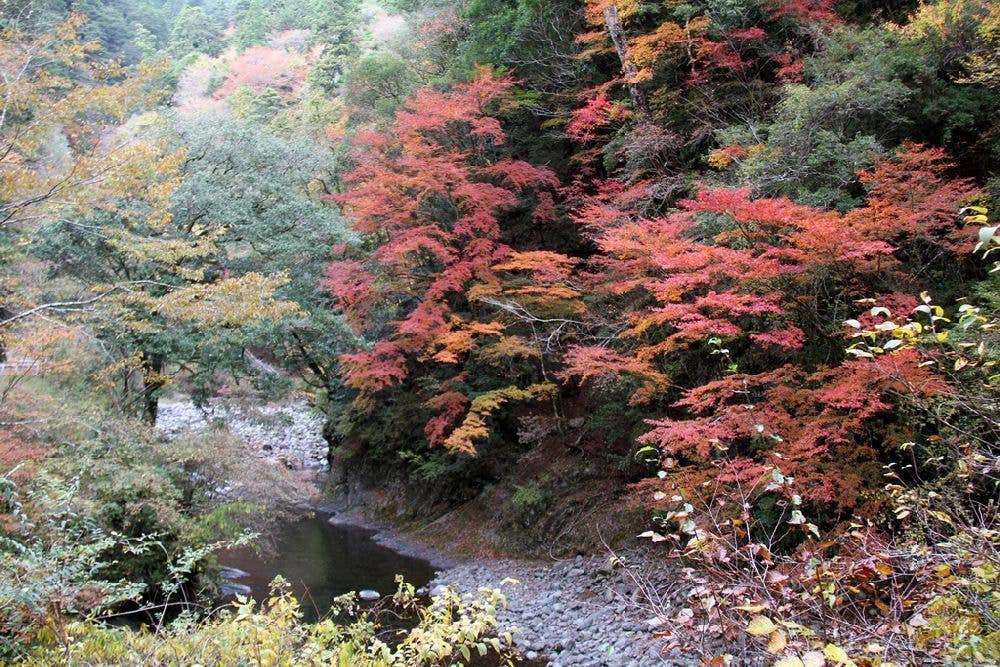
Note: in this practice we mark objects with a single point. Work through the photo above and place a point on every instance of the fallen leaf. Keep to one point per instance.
(838, 655)
(760, 625)
(813, 659)
(777, 643)
(793, 661)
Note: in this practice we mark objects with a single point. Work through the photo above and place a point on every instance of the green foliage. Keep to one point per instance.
(194, 31)
(145, 41)
(254, 25)
(333, 22)
(531, 500)
(838, 123)
(380, 82)
(262, 193)
(58, 563)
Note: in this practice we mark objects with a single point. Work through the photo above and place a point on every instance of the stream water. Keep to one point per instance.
(321, 561)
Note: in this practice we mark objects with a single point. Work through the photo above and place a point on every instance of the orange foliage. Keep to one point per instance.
(430, 190)
(746, 273)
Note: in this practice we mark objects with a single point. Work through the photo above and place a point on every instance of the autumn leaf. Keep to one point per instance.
(760, 625)
(838, 655)
(777, 642)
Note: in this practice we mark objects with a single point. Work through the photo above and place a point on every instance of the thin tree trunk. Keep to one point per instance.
(631, 72)
(150, 382)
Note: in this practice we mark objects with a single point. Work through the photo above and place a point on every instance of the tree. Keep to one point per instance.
(193, 32)
(145, 41)
(334, 22)
(380, 82)
(253, 26)
(429, 194)
(159, 261)
(761, 284)
(262, 67)
(262, 194)
(52, 120)
(59, 102)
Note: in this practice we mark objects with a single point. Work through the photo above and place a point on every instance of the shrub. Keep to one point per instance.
(448, 631)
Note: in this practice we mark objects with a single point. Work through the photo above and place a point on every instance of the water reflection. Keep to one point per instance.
(322, 561)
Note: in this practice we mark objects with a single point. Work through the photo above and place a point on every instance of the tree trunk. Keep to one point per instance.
(152, 374)
(629, 69)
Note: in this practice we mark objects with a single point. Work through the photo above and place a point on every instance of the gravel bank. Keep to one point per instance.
(288, 434)
(582, 612)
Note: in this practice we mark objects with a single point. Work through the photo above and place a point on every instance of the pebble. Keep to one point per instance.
(566, 613)
(369, 595)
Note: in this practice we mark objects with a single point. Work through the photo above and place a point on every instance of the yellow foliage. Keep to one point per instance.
(52, 124)
(272, 634)
(461, 338)
(719, 160)
(473, 427)
(229, 302)
(507, 348)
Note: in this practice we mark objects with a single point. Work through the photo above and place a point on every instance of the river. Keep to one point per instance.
(321, 561)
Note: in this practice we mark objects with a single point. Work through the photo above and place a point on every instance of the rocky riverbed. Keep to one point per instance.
(287, 434)
(594, 611)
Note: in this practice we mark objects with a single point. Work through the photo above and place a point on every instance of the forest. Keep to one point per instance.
(706, 288)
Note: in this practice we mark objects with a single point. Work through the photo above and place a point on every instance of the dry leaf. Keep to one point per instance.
(777, 643)
(760, 625)
(838, 655)
(813, 659)
(793, 661)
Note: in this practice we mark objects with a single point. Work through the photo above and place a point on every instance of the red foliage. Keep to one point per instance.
(911, 197)
(450, 406)
(714, 58)
(261, 66)
(790, 68)
(805, 12)
(370, 371)
(817, 427)
(429, 192)
(754, 272)
(602, 364)
(597, 114)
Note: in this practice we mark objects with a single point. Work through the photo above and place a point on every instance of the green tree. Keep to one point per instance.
(333, 21)
(162, 294)
(145, 41)
(253, 25)
(266, 192)
(380, 82)
(326, 74)
(265, 106)
(193, 32)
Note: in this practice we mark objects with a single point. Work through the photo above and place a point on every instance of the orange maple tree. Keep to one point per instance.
(428, 195)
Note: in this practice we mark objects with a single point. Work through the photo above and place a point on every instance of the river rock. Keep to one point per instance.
(230, 589)
(566, 612)
(230, 573)
(369, 595)
(289, 434)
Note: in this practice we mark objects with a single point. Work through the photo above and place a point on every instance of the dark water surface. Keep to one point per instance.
(322, 561)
